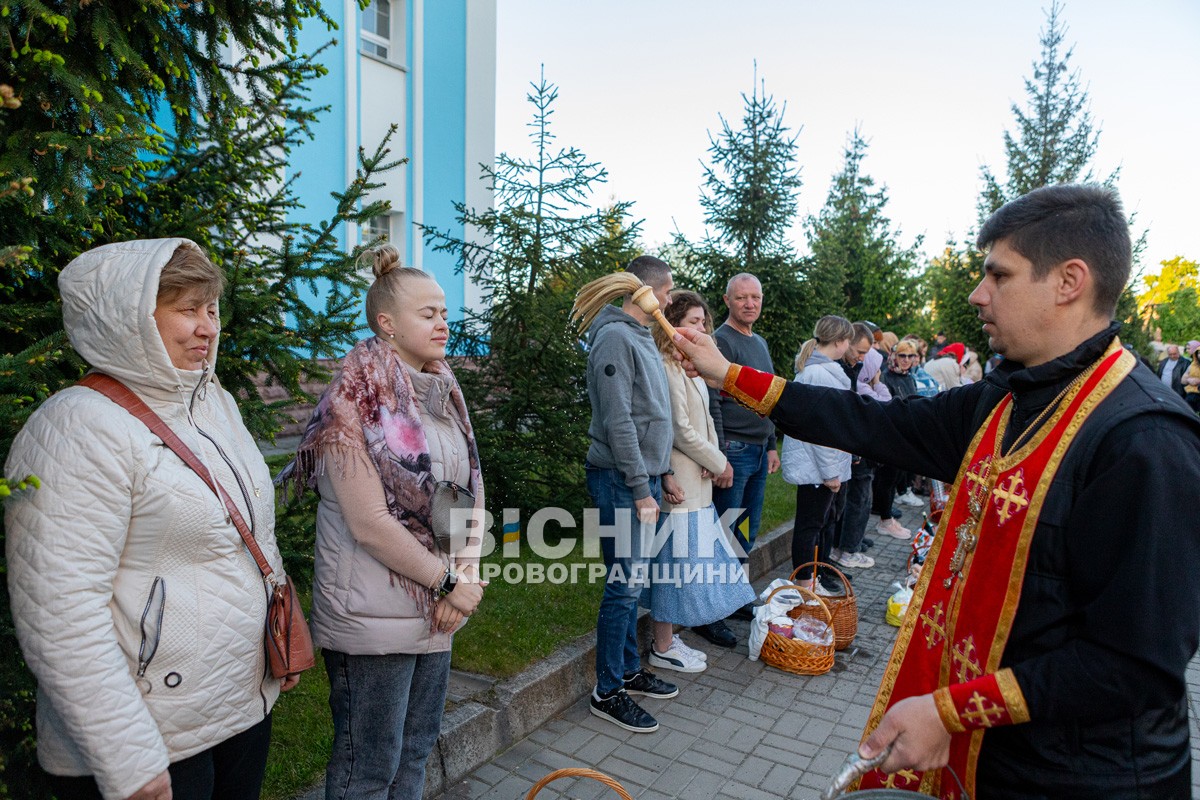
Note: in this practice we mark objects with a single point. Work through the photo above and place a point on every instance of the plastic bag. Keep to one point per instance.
(812, 630)
(897, 606)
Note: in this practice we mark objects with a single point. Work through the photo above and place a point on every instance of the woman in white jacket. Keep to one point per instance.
(387, 597)
(138, 606)
(696, 580)
(816, 471)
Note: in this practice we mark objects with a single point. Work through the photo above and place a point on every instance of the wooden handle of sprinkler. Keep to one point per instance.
(646, 301)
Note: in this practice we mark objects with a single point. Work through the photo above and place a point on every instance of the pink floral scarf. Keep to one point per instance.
(371, 406)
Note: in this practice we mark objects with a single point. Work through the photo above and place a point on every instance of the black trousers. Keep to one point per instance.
(230, 770)
(883, 490)
(816, 521)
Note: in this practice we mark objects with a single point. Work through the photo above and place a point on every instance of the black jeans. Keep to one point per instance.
(884, 490)
(230, 770)
(816, 518)
(852, 524)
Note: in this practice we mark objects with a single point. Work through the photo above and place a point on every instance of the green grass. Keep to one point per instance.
(519, 623)
(779, 506)
(301, 737)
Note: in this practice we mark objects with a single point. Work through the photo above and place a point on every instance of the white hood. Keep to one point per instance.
(109, 294)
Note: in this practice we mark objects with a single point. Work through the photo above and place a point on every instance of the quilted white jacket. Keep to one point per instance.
(137, 606)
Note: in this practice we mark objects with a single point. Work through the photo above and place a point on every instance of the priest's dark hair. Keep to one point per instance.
(1054, 224)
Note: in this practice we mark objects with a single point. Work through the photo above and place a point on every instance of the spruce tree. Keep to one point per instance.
(122, 121)
(1056, 138)
(853, 239)
(524, 380)
(749, 199)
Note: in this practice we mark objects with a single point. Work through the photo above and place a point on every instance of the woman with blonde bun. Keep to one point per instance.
(390, 433)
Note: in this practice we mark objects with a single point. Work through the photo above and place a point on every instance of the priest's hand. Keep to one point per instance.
(914, 729)
(700, 356)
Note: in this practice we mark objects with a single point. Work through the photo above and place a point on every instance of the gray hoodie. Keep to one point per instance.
(631, 404)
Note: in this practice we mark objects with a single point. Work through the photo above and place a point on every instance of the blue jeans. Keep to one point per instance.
(616, 623)
(749, 487)
(387, 713)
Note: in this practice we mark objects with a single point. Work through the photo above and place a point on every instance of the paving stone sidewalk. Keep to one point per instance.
(740, 730)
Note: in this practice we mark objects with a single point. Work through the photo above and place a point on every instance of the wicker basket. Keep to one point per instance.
(793, 655)
(578, 772)
(843, 607)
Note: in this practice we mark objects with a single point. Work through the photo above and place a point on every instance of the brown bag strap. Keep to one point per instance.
(120, 394)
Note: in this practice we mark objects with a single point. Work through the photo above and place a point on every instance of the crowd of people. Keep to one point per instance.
(142, 615)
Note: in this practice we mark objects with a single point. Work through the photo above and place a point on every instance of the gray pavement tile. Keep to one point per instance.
(747, 738)
(627, 773)
(597, 748)
(704, 786)
(490, 773)
(758, 720)
(674, 779)
(781, 780)
(512, 786)
(744, 792)
(647, 756)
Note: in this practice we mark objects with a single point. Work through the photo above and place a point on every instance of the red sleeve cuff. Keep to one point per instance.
(757, 391)
(985, 702)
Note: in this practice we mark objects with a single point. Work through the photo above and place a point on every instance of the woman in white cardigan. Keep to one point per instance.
(695, 578)
(816, 471)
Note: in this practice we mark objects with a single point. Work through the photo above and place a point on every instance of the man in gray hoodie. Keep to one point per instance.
(628, 466)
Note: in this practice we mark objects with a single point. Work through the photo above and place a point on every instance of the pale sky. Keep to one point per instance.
(930, 82)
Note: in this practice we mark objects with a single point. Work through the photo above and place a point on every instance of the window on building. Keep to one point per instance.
(377, 227)
(377, 28)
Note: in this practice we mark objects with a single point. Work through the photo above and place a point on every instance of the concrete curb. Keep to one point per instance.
(496, 719)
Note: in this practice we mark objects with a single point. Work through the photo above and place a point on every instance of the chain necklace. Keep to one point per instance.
(982, 481)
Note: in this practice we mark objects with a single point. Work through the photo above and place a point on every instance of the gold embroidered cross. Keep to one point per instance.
(964, 656)
(904, 777)
(977, 475)
(981, 709)
(934, 625)
(1011, 498)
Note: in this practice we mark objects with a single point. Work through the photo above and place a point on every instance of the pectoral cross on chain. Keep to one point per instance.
(967, 539)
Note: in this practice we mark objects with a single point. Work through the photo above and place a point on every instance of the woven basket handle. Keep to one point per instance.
(803, 591)
(815, 565)
(579, 772)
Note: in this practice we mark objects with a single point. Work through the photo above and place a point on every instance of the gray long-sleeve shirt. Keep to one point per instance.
(631, 404)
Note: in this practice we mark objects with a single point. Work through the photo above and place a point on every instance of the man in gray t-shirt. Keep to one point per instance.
(747, 439)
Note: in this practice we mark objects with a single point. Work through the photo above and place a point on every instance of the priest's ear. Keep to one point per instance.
(1074, 282)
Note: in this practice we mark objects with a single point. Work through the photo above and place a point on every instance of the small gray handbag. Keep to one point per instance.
(449, 518)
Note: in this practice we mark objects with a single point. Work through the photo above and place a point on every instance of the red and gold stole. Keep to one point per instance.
(963, 606)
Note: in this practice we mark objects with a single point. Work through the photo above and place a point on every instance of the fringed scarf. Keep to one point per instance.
(371, 406)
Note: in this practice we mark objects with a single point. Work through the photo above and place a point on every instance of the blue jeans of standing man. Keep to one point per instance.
(749, 463)
(616, 624)
(387, 713)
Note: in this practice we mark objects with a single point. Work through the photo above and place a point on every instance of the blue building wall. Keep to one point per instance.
(445, 135)
(434, 131)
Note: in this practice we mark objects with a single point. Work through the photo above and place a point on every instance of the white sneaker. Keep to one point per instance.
(890, 527)
(677, 643)
(676, 659)
(910, 499)
(855, 560)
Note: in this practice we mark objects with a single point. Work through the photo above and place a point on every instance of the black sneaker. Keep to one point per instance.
(619, 709)
(644, 682)
(718, 633)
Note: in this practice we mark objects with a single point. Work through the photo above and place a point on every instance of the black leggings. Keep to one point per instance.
(884, 490)
(230, 770)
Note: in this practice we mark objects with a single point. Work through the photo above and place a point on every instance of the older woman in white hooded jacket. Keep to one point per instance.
(137, 605)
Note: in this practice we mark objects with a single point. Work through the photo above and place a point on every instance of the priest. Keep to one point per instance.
(1045, 647)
